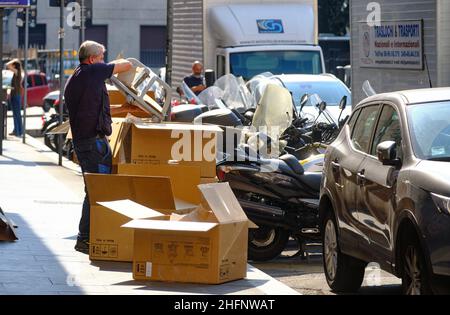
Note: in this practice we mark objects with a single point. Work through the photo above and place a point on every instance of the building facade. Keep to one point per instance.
(133, 28)
(430, 49)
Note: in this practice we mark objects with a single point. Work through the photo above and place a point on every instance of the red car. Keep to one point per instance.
(38, 87)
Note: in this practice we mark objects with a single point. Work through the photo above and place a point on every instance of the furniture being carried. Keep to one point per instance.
(135, 85)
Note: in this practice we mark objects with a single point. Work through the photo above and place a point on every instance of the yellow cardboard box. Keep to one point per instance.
(108, 241)
(158, 144)
(208, 245)
(115, 96)
(184, 179)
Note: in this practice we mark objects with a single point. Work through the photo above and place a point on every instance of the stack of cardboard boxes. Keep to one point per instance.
(163, 209)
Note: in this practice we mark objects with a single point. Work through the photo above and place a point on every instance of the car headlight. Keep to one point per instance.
(442, 202)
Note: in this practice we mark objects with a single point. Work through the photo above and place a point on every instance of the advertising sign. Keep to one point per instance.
(394, 45)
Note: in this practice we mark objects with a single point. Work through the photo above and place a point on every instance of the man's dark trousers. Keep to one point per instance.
(95, 157)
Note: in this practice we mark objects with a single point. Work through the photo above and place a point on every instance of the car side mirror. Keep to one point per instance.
(387, 153)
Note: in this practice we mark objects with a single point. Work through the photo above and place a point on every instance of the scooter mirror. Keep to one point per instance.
(343, 102)
(322, 106)
(342, 106)
(303, 101)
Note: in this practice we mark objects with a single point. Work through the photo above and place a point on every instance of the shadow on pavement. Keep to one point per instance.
(29, 267)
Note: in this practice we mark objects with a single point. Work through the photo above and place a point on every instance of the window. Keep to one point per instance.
(352, 120)
(364, 127)
(429, 126)
(29, 81)
(220, 66)
(250, 64)
(38, 80)
(37, 36)
(153, 41)
(388, 129)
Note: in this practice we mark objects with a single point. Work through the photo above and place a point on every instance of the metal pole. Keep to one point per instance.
(25, 97)
(61, 79)
(2, 97)
(83, 22)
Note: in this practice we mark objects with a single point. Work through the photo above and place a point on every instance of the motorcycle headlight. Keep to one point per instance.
(442, 202)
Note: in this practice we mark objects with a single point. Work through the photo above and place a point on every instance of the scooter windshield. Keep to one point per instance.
(275, 111)
(231, 91)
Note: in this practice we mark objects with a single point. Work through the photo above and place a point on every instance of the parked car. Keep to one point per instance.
(38, 87)
(327, 86)
(385, 194)
(330, 89)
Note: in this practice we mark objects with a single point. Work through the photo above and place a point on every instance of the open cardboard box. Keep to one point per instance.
(108, 241)
(208, 245)
(158, 144)
(184, 179)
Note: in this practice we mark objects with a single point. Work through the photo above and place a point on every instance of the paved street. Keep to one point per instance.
(308, 277)
(45, 201)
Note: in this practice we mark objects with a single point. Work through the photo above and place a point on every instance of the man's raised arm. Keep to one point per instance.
(121, 65)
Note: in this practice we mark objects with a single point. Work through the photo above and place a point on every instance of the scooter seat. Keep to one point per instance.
(312, 180)
(293, 163)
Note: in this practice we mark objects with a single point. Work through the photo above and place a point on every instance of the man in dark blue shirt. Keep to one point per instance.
(196, 81)
(87, 100)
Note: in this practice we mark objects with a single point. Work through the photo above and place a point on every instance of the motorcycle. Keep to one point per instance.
(50, 121)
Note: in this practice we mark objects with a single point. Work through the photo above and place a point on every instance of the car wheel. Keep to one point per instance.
(415, 276)
(343, 273)
(266, 243)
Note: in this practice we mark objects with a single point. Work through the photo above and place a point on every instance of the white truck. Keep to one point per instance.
(245, 37)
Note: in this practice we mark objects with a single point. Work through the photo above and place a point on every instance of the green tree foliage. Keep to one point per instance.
(334, 16)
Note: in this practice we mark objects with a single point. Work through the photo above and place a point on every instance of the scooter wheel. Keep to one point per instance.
(266, 243)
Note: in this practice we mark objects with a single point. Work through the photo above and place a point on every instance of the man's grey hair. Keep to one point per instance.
(90, 48)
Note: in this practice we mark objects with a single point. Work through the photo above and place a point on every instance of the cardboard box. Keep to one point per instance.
(184, 179)
(108, 241)
(208, 245)
(158, 144)
(115, 96)
(122, 111)
(206, 180)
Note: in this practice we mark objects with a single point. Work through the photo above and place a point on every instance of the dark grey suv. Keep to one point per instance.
(385, 193)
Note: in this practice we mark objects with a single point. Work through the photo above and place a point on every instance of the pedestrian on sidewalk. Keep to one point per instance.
(90, 119)
(16, 95)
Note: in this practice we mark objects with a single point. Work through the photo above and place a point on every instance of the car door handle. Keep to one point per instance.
(335, 165)
(361, 178)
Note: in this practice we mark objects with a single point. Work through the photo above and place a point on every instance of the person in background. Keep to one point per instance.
(16, 95)
(87, 100)
(196, 81)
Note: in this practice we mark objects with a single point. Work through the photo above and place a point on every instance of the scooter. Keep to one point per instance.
(278, 195)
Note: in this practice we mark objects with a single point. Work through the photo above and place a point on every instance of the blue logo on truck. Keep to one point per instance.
(270, 26)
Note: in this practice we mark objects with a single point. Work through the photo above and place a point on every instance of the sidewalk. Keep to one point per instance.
(45, 201)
